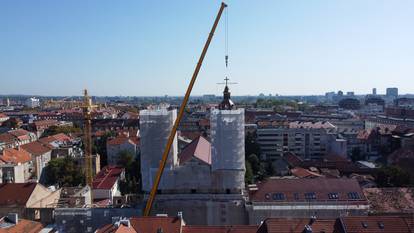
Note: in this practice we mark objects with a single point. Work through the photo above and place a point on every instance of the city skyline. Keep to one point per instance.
(150, 49)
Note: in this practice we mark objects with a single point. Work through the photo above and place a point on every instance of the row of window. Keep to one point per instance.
(310, 196)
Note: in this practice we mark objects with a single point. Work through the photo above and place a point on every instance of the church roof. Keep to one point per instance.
(199, 148)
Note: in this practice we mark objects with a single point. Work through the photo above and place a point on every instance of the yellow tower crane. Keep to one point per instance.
(180, 114)
(87, 110)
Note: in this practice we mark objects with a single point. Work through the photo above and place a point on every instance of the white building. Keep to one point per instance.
(155, 128)
(32, 102)
(309, 140)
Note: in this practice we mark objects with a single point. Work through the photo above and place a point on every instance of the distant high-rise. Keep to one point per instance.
(392, 92)
(32, 102)
(227, 145)
(155, 128)
(374, 91)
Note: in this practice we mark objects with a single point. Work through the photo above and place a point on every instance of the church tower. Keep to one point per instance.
(227, 145)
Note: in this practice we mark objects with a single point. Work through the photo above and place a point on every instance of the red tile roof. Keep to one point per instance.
(375, 224)
(25, 226)
(15, 156)
(107, 177)
(303, 173)
(199, 148)
(7, 138)
(296, 225)
(61, 137)
(36, 148)
(121, 139)
(16, 193)
(111, 228)
(152, 224)
(364, 134)
(220, 229)
(18, 133)
(294, 190)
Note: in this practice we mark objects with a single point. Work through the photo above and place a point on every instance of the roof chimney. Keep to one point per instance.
(312, 220)
(14, 217)
(308, 229)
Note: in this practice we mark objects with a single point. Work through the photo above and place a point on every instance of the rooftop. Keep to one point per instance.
(107, 177)
(36, 148)
(16, 193)
(300, 190)
(199, 148)
(15, 156)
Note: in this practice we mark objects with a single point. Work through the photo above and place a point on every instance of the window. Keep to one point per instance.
(278, 196)
(310, 196)
(333, 195)
(296, 196)
(353, 195)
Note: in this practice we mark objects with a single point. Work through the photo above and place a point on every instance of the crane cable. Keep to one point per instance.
(226, 37)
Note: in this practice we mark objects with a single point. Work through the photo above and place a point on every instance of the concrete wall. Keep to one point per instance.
(192, 175)
(203, 209)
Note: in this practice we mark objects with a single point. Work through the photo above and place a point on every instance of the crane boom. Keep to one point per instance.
(180, 115)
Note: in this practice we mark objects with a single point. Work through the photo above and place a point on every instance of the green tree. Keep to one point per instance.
(99, 146)
(61, 129)
(392, 176)
(249, 173)
(132, 172)
(251, 146)
(255, 163)
(63, 172)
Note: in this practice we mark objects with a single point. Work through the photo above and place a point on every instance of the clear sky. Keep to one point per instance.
(141, 48)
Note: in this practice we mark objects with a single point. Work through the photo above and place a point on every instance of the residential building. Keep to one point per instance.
(11, 223)
(105, 185)
(15, 166)
(16, 138)
(121, 143)
(3, 118)
(25, 199)
(309, 140)
(295, 198)
(40, 154)
(167, 224)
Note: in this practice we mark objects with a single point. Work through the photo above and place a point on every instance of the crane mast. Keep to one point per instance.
(163, 161)
(87, 110)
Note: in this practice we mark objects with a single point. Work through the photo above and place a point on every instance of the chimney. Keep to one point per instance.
(180, 214)
(13, 217)
(308, 229)
(312, 220)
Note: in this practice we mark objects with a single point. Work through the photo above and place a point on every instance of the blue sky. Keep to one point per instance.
(141, 48)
